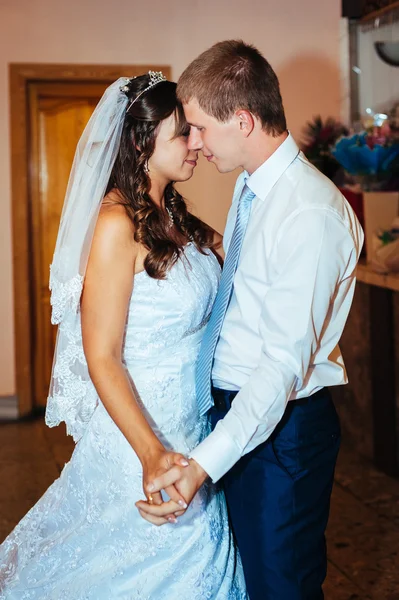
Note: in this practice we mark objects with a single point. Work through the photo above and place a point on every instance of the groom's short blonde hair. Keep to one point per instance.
(233, 75)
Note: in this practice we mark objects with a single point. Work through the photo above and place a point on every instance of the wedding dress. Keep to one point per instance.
(85, 539)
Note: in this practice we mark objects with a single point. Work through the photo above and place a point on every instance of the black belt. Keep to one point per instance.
(224, 398)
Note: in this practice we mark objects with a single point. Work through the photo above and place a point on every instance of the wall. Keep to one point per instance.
(301, 40)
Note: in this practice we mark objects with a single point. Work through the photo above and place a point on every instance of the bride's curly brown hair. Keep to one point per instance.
(129, 177)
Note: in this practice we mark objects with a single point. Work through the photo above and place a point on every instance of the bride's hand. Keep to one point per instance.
(155, 465)
(187, 480)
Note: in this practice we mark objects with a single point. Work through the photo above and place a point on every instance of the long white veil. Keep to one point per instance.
(72, 396)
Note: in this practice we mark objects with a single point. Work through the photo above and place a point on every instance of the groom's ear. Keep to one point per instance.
(246, 121)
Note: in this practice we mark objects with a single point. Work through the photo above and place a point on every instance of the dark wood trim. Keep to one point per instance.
(376, 14)
(383, 380)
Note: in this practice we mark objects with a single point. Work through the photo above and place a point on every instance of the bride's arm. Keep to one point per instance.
(106, 294)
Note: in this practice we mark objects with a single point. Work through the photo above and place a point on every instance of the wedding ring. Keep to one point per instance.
(150, 499)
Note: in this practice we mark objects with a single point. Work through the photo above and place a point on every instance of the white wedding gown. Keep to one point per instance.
(84, 539)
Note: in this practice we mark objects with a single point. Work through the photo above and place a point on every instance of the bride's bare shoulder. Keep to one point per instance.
(113, 212)
(114, 225)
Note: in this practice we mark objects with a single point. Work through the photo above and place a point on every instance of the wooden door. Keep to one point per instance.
(30, 84)
(58, 115)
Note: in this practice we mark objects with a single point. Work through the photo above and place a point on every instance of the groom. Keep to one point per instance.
(271, 347)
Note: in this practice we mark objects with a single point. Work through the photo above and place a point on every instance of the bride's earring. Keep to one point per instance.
(146, 169)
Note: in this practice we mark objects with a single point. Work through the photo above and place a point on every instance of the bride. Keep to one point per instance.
(133, 281)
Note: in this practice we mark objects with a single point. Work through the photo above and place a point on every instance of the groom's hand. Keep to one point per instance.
(187, 481)
(159, 462)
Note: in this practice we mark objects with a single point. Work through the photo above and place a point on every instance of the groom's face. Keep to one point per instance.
(219, 142)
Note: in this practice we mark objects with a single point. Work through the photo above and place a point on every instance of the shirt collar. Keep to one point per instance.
(266, 176)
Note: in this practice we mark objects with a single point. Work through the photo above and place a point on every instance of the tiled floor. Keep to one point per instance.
(363, 534)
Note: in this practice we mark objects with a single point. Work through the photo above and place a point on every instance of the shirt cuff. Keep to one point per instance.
(216, 454)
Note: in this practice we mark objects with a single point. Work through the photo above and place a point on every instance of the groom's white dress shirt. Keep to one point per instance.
(292, 292)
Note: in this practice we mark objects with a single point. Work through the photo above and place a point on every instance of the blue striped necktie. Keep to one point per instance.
(211, 335)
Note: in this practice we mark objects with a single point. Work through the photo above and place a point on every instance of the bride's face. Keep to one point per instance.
(172, 160)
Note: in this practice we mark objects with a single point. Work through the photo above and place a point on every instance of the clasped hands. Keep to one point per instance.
(178, 476)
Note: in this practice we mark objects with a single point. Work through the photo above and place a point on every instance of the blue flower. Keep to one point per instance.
(358, 157)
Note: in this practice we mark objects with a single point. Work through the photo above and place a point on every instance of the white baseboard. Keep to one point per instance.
(8, 408)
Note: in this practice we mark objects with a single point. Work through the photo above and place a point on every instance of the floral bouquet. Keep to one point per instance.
(372, 156)
(319, 139)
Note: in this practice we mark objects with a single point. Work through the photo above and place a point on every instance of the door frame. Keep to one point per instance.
(21, 75)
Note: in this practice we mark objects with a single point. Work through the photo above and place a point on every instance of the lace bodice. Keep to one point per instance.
(164, 314)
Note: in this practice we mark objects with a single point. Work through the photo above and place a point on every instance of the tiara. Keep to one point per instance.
(155, 78)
